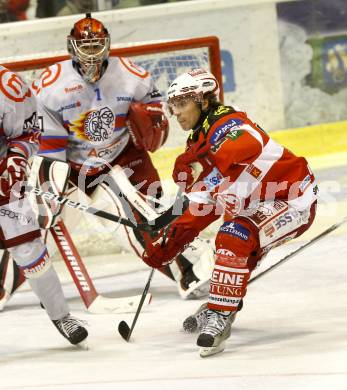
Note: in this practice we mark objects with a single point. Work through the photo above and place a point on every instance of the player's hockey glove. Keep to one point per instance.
(171, 241)
(14, 175)
(188, 166)
(147, 125)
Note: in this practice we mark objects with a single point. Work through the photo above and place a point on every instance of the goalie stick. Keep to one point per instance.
(95, 302)
(181, 203)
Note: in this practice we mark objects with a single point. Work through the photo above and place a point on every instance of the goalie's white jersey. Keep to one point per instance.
(85, 123)
(18, 120)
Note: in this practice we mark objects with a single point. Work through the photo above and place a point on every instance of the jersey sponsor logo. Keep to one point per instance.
(288, 217)
(235, 230)
(75, 88)
(305, 183)
(124, 98)
(269, 230)
(13, 87)
(221, 131)
(21, 218)
(254, 171)
(155, 94)
(225, 252)
(229, 278)
(232, 135)
(70, 106)
(213, 179)
(221, 290)
(221, 110)
(227, 257)
(32, 122)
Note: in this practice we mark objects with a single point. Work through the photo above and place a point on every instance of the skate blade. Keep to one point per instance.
(209, 351)
(83, 345)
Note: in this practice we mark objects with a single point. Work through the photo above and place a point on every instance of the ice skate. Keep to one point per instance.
(196, 321)
(214, 333)
(71, 328)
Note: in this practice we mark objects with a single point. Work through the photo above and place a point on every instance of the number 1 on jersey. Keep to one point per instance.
(98, 94)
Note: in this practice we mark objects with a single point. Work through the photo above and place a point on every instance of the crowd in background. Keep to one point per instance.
(15, 10)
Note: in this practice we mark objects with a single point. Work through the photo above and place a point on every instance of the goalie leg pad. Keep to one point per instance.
(50, 176)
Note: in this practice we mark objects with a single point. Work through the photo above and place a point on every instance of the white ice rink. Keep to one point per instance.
(291, 333)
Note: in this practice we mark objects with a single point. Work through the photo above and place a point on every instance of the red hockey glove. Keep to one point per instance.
(171, 241)
(148, 125)
(187, 166)
(14, 173)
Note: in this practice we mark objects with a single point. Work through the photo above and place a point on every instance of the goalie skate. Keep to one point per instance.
(214, 333)
(71, 328)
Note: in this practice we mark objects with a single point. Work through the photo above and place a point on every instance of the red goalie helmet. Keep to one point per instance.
(89, 46)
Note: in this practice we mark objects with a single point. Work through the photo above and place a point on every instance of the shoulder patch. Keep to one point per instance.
(13, 87)
(133, 68)
(48, 77)
(226, 130)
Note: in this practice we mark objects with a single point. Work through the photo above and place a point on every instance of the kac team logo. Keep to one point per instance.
(99, 125)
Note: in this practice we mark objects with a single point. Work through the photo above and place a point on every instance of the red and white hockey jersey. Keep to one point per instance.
(243, 165)
(84, 123)
(18, 118)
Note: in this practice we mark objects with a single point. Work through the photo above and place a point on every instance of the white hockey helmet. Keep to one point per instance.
(196, 83)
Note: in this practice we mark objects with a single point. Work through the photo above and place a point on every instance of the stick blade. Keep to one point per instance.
(124, 330)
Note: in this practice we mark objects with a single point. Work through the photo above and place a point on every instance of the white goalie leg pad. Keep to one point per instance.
(104, 197)
(50, 176)
(32, 258)
(124, 236)
(201, 254)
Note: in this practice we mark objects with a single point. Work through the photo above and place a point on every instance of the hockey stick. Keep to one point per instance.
(123, 327)
(301, 248)
(181, 203)
(95, 302)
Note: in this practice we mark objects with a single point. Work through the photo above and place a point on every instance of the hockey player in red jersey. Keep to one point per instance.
(19, 229)
(230, 167)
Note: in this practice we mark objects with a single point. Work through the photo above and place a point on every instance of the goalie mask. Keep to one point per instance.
(89, 46)
(196, 84)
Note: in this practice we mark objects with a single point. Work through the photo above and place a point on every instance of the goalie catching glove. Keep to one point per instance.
(171, 241)
(15, 172)
(147, 125)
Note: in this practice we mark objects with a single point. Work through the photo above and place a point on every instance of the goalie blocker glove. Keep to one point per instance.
(147, 125)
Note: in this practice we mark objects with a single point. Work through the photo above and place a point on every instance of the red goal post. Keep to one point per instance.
(164, 60)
